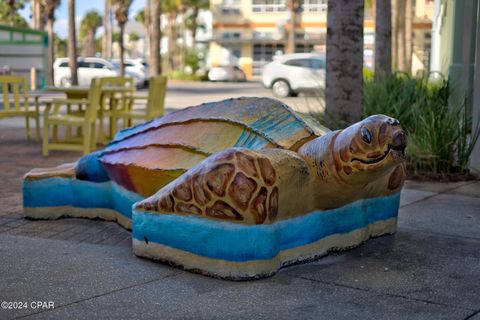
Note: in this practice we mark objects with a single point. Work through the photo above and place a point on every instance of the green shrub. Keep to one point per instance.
(440, 139)
(179, 75)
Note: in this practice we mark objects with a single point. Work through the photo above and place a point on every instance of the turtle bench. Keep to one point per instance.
(235, 189)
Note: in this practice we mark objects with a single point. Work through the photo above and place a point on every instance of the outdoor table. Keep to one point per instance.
(81, 92)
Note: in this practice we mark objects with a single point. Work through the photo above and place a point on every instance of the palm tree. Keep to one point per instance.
(383, 39)
(344, 74)
(394, 34)
(120, 8)
(293, 6)
(107, 33)
(50, 6)
(408, 35)
(400, 35)
(88, 28)
(171, 8)
(142, 16)
(9, 13)
(155, 37)
(72, 43)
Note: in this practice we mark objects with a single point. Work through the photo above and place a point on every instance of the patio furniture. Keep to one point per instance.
(155, 103)
(18, 84)
(86, 121)
(114, 89)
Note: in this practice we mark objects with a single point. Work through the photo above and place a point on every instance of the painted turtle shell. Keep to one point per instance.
(148, 156)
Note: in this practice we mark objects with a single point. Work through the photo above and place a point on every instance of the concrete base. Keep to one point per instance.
(248, 270)
(209, 246)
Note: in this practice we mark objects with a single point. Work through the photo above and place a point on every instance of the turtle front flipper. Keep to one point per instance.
(222, 216)
(236, 185)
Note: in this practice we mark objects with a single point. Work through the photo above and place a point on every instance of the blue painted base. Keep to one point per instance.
(56, 197)
(213, 247)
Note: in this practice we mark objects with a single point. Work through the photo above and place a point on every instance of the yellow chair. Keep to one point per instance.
(18, 84)
(114, 89)
(86, 122)
(155, 106)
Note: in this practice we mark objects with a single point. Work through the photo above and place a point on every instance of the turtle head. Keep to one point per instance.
(369, 149)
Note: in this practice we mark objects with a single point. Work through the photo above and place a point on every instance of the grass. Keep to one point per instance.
(440, 137)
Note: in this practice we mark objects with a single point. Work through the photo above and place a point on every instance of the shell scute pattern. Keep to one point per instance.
(236, 185)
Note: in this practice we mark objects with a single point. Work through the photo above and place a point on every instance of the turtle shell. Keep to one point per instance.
(148, 156)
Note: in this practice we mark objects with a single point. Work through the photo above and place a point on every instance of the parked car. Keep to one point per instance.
(289, 74)
(138, 65)
(226, 73)
(88, 68)
(139, 75)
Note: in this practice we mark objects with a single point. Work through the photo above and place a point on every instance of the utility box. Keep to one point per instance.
(23, 52)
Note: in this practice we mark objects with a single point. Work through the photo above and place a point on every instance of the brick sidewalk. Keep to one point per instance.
(17, 157)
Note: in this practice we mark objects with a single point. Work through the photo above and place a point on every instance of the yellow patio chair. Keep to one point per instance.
(155, 103)
(86, 121)
(18, 84)
(114, 89)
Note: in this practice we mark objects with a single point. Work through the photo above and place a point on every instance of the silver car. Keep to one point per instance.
(289, 74)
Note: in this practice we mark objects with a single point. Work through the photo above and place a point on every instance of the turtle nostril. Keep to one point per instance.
(399, 140)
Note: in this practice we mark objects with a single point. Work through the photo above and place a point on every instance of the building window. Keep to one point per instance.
(231, 35)
(234, 51)
(314, 5)
(301, 48)
(231, 6)
(263, 53)
(268, 6)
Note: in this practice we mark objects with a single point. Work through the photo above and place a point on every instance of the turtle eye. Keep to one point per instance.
(366, 135)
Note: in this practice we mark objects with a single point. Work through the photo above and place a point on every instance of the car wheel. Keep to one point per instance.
(281, 88)
(66, 82)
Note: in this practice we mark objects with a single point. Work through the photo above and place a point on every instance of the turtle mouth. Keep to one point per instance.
(397, 149)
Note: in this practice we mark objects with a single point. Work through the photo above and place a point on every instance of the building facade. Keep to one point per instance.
(250, 32)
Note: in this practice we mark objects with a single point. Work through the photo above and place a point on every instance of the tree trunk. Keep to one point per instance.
(394, 34)
(36, 14)
(408, 36)
(172, 40)
(344, 74)
(383, 39)
(155, 59)
(122, 50)
(72, 43)
(11, 12)
(292, 6)
(107, 33)
(401, 53)
(90, 45)
(51, 52)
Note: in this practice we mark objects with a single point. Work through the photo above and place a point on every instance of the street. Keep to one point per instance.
(185, 94)
(182, 94)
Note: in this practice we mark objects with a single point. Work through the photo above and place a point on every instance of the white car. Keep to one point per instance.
(289, 74)
(136, 68)
(136, 65)
(88, 68)
(226, 73)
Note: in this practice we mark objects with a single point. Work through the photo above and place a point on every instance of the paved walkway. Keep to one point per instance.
(430, 269)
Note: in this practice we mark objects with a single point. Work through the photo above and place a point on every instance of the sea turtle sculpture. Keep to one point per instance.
(236, 188)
